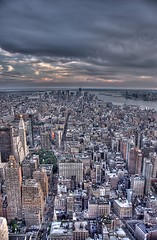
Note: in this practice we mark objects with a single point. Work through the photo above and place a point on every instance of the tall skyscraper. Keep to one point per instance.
(30, 130)
(13, 181)
(129, 148)
(22, 135)
(138, 159)
(41, 177)
(147, 172)
(98, 173)
(58, 138)
(5, 143)
(135, 161)
(3, 229)
(32, 202)
(18, 150)
(124, 148)
(153, 157)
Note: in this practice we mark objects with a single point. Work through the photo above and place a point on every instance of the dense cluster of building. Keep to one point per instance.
(106, 181)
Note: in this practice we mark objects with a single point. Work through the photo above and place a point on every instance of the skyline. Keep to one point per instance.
(78, 44)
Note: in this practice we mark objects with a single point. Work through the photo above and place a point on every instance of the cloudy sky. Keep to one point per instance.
(82, 43)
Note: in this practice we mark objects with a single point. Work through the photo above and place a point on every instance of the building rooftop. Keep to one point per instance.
(59, 228)
(3, 222)
(123, 203)
(2, 165)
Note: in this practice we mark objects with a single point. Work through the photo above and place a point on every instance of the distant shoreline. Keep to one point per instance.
(77, 88)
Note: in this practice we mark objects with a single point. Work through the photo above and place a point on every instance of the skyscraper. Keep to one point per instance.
(13, 181)
(32, 202)
(18, 150)
(135, 161)
(22, 135)
(147, 172)
(5, 143)
(45, 140)
(41, 177)
(30, 130)
(98, 173)
(153, 157)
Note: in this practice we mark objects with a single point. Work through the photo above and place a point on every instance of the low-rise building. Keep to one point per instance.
(123, 208)
(80, 230)
(61, 231)
(98, 207)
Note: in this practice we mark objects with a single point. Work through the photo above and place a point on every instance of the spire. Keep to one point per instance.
(22, 135)
(21, 123)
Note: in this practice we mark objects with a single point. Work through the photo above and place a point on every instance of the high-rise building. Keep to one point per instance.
(30, 130)
(58, 138)
(3, 229)
(137, 185)
(41, 177)
(138, 139)
(32, 202)
(138, 158)
(135, 161)
(98, 173)
(13, 181)
(129, 147)
(124, 148)
(45, 140)
(147, 173)
(153, 157)
(18, 150)
(5, 143)
(71, 168)
(29, 165)
(22, 135)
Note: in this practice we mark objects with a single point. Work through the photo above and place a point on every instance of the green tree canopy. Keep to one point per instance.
(48, 157)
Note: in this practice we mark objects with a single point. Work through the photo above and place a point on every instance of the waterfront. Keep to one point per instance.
(118, 99)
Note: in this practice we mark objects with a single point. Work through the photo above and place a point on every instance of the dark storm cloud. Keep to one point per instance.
(107, 39)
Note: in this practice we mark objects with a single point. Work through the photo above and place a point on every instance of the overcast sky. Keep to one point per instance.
(83, 43)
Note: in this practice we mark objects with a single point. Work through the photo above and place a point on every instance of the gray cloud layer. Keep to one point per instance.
(106, 42)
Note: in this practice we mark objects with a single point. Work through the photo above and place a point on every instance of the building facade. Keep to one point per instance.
(41, 177)
(71, 168)
(13, 182)
(3, 229)
(32, 202)
(5, 143)
(123, 208)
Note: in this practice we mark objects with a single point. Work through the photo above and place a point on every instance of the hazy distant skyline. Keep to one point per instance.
(83, 43)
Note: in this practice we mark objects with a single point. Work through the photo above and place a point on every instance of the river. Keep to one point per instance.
(117, 99)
